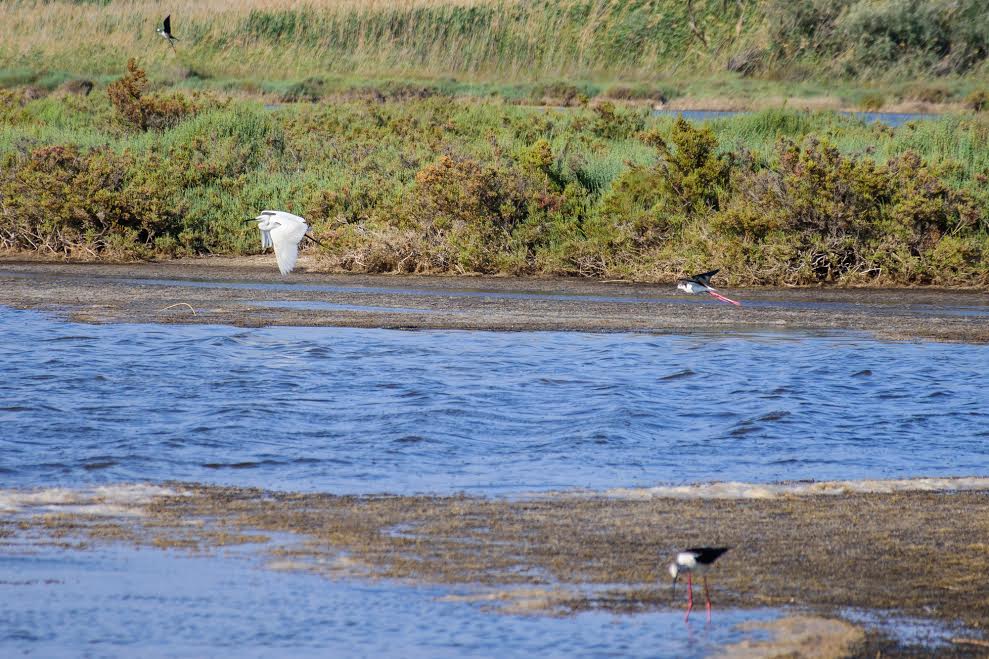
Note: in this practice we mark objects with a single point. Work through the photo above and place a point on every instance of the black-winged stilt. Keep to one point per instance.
(697, 560)
(166, 31)
(702, 284)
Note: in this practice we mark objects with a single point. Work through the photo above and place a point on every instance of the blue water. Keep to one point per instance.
(357, 410)
(893, 119)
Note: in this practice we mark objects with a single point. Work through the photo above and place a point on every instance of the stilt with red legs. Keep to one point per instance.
(702, 284)
(697, 560)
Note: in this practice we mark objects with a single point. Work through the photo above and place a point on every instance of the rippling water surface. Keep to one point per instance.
(357, 410)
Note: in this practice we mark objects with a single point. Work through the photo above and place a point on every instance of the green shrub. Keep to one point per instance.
(58, 199)
(466, 211)
(612, 124)
(850, 217)
(649, 205)
(310, 89)
(559, 93)
(928, 93)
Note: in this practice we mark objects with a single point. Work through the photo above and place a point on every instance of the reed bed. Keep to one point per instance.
(277, 39)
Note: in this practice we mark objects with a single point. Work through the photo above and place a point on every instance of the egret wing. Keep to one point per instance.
(286, 254)
(285, 232)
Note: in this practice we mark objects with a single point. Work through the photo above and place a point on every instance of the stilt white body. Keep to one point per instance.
(687, 562)
(692, 287)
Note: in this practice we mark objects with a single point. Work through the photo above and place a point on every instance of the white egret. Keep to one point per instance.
(283, 231)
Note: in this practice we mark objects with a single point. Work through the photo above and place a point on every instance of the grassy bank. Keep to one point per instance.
(435, 184)
(851, 52)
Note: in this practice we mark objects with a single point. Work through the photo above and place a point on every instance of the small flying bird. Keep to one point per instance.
(702, 284)
(695, 561)
(283, 231)
(166, 31)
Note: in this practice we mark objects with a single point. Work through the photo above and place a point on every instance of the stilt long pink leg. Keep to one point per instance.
(707, 597)
(723, 298)
(690, 595)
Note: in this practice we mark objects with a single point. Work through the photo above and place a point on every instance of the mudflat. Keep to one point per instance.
(249, 291)
(915, 553)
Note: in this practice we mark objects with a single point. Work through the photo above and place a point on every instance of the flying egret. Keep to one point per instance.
(702, 284)
(284, 232)
(165, 30)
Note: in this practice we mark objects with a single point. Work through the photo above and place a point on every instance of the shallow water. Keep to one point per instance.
(979, 306)
(359, 410)
(893, 119)
(122, 602)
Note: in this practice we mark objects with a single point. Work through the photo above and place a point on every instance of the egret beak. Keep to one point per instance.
(315, 241)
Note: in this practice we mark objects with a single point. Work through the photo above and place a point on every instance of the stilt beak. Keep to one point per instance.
(673, 590)
(253, 219)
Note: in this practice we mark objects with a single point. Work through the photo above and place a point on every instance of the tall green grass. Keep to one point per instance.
(271, 39)
(846, 53)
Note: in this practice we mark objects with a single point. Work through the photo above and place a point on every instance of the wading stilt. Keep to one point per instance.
(697, 560)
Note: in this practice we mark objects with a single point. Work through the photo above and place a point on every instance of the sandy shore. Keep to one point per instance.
(235, 291)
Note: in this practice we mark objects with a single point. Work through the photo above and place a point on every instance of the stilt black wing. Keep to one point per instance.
(705, 277)
(708, 555)
(168, 24)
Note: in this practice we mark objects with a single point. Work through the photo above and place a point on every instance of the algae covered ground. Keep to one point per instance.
(249, 292)
(908, 552)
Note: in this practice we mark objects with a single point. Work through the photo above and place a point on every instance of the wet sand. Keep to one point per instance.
(910, 553)
(233, 291)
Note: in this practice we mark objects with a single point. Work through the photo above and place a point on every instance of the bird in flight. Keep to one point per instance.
(697, 560)
(165, 30)
(702, 284)
(283, 231)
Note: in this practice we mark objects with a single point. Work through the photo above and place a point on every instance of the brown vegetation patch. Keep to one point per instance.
(810, 637)
(148, 112)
